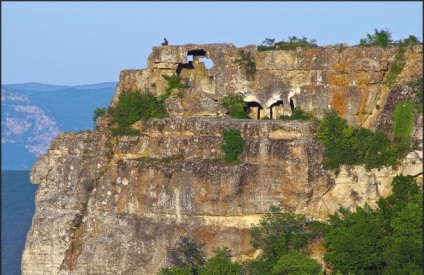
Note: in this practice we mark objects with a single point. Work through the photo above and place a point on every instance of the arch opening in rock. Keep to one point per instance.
(276, 109)
(195, 57)
(200, 56)
(254, 110)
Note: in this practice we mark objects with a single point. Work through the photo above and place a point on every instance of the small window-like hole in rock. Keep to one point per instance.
(208, 62)
(197, 52)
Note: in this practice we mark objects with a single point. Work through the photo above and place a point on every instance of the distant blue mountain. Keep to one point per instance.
(34, 86)
(41, 87)
(35, 113)
(103, 85)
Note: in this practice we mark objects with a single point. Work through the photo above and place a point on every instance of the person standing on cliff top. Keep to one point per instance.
(165, 42)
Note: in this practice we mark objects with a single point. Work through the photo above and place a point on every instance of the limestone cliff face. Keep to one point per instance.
(314, 79)
(113, 205)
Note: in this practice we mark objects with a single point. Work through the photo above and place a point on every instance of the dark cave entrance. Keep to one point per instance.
(254, 110)
(199, 53)
(182, 66)
(276, 109)
(291, 104)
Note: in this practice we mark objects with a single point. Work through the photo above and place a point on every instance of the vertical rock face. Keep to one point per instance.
(114, 205)
(70, 164)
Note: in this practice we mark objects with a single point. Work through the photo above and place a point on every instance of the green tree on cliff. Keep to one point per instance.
(233, 144)
(403, 125)
(221, 264)
(186, 257)
(283, 237)
(235, 105)
(345, 144)
(381, 38)
(133, 106)
(403, 221)
(98, 112)
(187, 252)
(354, 242)
(387, 240)
(296, 263)
(291, 44)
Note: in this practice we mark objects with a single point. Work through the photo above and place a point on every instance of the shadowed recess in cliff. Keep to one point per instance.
(291, 104)
(254, 109)
(276, 109)
(182, 66)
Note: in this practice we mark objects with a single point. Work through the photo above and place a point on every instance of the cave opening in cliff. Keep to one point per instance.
(291, 104)
(276, 109)
(198, 52)
(254, 109)
(182, 66)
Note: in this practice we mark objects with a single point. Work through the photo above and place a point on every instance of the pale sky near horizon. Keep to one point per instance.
(75, 43)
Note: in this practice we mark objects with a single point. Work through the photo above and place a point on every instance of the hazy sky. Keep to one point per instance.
(72, 43)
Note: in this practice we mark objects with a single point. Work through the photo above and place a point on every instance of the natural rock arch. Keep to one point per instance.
(195, 58)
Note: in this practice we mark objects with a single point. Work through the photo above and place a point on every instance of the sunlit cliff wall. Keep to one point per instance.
(114, 205)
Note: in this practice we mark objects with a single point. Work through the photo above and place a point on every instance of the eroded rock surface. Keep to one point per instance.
(350, 80)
